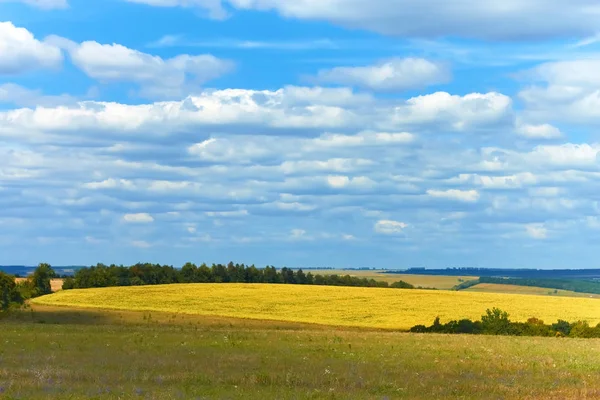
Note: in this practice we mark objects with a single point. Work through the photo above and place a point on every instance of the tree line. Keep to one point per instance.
(497, 322)
(13, 294)
(102, 275)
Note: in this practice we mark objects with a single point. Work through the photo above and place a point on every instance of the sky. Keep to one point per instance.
(329, 133)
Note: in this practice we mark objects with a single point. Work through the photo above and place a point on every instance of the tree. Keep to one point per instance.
(68, 283)
(40, 280)
(9, 295)
(189, 273)
(300, 277)
(495, 322)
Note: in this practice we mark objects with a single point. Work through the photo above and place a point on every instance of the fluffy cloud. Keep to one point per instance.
(388, 227)
(542, 131)
(158, 77)
(140, 218)
(537, 231)
(563, 91)
(469, 196)
(393, 75)
(268, 109)
(21, 52)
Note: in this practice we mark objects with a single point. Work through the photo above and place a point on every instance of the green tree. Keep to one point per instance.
(9, 295)
(40, 280)
(495, 322)
(68, 283)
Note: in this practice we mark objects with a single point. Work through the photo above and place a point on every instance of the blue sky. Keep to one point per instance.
(342, 133)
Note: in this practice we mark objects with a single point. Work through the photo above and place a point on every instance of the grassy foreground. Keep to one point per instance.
(340, 306)
(82, 354)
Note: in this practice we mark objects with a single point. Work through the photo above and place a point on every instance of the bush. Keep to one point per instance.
(496, 322)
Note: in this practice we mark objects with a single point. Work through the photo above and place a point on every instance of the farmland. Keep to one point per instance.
(55, 284)
(426, 281)
(337, 306)
(500, 288)
(69, 353)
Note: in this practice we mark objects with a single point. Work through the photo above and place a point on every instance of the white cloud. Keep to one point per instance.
(158, 77)
(21, 52)
(537, 231)
(497, 182)
(367, 138)
(568, 154)
(514, 19)
(43, 4)
(457, 112)
(393, 75)
(542, 131)
(141, 218)
(270, 109)
(341, 181)
(564, 91)
(469, 196)
(388, 227)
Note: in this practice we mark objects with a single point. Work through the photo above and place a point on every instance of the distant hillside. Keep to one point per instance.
(587, 274)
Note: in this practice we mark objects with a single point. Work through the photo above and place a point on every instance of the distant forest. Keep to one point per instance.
(154, 274)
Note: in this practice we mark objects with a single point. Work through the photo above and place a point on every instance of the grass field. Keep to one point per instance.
(342, 306)
(82, 354)
(499, 288)
(428, 281)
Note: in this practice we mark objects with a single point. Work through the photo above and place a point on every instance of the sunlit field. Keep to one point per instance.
(328, 305)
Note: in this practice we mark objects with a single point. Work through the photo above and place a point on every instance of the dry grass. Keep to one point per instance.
(82, 354)
(428, 281)
(341, 306)
(500, 288)
(55, 284)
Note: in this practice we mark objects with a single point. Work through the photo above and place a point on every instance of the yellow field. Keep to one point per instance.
(341, 306)
(499, 288)
(428, 281)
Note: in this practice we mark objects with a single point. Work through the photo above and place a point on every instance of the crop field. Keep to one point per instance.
(499, 288)
(56, 284)
(69, 353)
(427, 281)
(327, 305)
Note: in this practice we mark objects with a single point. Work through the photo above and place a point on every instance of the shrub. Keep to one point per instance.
(496, 322)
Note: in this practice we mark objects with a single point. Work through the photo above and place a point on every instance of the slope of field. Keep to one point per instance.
(499, 288)
(84, 354)
(427, 281)
(329, 305)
